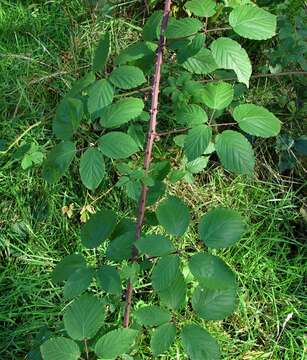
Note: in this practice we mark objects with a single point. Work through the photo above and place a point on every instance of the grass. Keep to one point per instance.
(43, 47)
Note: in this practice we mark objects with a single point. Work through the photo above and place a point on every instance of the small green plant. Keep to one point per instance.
(103, 120)
(290, 151)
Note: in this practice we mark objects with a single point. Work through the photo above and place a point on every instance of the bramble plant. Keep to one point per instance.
(104, 111)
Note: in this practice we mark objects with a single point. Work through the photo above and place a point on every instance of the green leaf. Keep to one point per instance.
(117, 145)
(191, 115)
(152, 315)
(84, 317)
(133, 52)
(253, 22)
(32, 157)
(101, 54)
(300, 145)
(159, 170)
(221, 228)
(198, 344)
(98, 228)
(68, 117)
(229, 55)
(92, 168)
(115, 343)
(197, 165)
(201, 8)
(155, 192)
(235, 152)
(218, 96)
(78, 282)
(162, 339)
(125, 225)
(121, 112)
(214, 304)
(197, 141)
(130, 272)
(211, 271)
(121, 248)
(236, 3)
(127, 77)
(191, 49)
(182, 28)
(152, 27)
(81, 84)
(155, 245)
(109, 280)
(60, 348)
(165, 272)
(256, 120)
(100, 95)
(175, 295)
(138, 135)
(202, 63)
(58, 161)
(67, 266)
(173, 215)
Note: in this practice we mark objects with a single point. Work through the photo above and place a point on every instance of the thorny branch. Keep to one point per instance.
(148, 151)
(152, 135)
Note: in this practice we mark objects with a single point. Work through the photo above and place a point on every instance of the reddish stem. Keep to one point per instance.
(148, 151)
